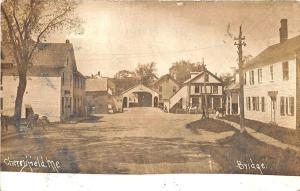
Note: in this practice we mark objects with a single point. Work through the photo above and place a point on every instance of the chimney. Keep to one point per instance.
(283, 31)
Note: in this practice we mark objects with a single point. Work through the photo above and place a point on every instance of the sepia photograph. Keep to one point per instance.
(150, 87)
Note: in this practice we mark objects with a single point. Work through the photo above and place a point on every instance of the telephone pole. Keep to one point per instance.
(240, 43)
(205, 91)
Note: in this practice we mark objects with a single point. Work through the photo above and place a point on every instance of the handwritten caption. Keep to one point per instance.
(33, 162)
(250, 165)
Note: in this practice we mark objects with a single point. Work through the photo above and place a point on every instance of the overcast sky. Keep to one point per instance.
(119, 35)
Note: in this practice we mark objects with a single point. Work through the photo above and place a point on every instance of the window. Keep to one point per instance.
(292, 107)
(251, 77)
(287, 106)
(271, 72)
(263, 104)
(215, 89)
(282, 100)
(160, 88)
(253, 103)
(195, 101)
(245, 78)
(248, 102)
(63, 78)
(259, 75)
(160, 96)
(257, 104)
(62, 105)
(285, 70)
(197, 90)
(1, 103)
(174, 89)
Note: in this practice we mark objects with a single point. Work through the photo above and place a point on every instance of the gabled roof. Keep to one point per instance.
(54, 54)
(276, 53)
(166, 76)
(200, 74)
(137, 86)
(47, 54)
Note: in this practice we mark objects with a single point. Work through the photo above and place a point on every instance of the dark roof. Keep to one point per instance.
(48, 59)
(35, 71)
(54, 54)
(47, 54)
(276, 53)
(165, 77)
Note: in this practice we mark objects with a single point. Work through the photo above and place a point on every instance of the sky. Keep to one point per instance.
(119, 35)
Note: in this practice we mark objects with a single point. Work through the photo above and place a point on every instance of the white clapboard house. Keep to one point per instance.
(191, 95)
(272, 83)
(55, 88)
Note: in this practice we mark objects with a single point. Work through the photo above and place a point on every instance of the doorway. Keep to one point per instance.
(155, 101)
(273, 109)
(144, 99)
(125, 102)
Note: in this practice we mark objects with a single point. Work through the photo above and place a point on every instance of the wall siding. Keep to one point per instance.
(42, 93)
(167, 88)
(284, 88)
(298, 91)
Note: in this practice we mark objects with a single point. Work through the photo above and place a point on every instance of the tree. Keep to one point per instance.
(123, 74)
(181, 70)
(227, 78)
(146, 73)
(28, 23)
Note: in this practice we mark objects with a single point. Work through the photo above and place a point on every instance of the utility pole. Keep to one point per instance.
(240, 43)
(205, 91)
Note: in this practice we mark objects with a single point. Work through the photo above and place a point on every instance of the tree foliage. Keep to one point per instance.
(27, 23)
(124, 74)
(146, 73)
(181, 70)
(227, 78)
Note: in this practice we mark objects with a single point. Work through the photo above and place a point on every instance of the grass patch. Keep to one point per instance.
(244, 148)
(288, 136)
(210, 125)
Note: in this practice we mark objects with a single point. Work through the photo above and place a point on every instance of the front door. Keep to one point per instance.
(273, 109)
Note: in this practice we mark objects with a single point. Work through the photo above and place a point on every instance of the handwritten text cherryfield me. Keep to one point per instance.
(250, 165)
(33, 162)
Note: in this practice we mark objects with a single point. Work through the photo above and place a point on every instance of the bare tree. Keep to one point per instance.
(28, 23)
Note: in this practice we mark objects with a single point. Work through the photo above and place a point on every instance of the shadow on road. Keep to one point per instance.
(93, 119)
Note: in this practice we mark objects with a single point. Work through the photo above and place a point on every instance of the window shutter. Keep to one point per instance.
(282, 105)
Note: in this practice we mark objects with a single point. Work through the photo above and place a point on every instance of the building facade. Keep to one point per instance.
(166, 86)
(51, 83)
(191, 96)
(272, 79)
(232, 95)
(139, 96)
(99, 94)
